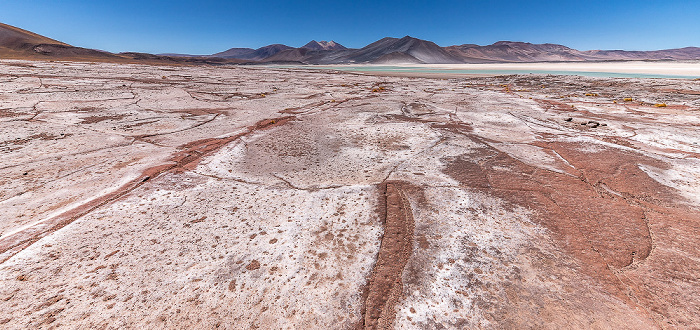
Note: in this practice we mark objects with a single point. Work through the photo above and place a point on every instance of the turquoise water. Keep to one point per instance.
(485, 72)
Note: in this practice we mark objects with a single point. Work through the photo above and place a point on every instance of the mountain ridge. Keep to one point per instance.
(391, 50)
(18, 43)
(324, 45)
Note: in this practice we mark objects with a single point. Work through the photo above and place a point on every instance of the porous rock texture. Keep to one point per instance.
(137, 196)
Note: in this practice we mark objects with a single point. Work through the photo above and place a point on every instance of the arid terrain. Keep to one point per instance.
(138, 196)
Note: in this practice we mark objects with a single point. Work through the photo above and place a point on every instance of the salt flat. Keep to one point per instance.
(137, 196)
(671, 68)
(609, 69)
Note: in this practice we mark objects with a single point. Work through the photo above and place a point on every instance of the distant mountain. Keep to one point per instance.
(421, 51)
(174, 59)
(324, 45)
(181, 55)
(412, 50)
(15, 38)
(385, 51)
(18, 43)
(678, 54)
(236, 53)
(252, 54)
(22, 44)
(282, 53)
(509, 51)
(297, 55)
(396, 58)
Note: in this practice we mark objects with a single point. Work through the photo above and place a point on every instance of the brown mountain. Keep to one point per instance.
(679, 54)
(252, 54)
(16, 39)
(421, 50)
(412, 50)
(16, 43)
(324, 45)
(508, 51)
(385, 51)
(396, 58)
(282, 53)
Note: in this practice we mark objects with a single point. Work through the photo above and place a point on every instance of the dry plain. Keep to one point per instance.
(136, 196)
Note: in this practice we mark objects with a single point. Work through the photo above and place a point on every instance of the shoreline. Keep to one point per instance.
(627, 69)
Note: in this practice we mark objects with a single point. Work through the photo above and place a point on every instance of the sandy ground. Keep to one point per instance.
(137, 196)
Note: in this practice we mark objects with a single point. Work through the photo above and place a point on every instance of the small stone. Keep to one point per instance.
(253, 265)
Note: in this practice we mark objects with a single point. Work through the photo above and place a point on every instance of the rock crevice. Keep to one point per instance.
(385, 287)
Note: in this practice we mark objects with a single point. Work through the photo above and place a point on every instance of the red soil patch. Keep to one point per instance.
(454, 127)
(269, 123)
(12, 145)
(601, 217)
(554, 105)
(253, 265)
(8, 113)
(97, 119)
(385, 287)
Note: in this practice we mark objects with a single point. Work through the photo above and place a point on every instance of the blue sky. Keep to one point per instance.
(208, 26)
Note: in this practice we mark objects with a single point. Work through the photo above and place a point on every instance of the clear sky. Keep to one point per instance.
(209, 26)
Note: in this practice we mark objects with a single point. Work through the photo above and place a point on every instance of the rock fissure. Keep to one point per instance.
(181, 130)
(385, 286)
(185, 160)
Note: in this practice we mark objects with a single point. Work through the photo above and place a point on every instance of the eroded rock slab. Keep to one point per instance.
(171, 197)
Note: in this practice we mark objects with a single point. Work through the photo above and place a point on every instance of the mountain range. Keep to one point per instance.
(412, 50)
(18, 43)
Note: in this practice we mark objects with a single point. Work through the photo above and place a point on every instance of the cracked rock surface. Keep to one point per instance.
(135, 196)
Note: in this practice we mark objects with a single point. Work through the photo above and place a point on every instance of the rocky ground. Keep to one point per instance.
(136, 196)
